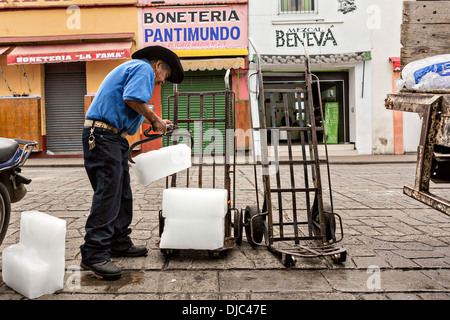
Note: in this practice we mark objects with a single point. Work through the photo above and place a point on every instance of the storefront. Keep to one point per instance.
(52, 63)
(343, 39)
(210, 37)
(333, 93)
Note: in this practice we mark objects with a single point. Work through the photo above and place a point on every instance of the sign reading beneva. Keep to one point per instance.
(316, 36)
(194, 28)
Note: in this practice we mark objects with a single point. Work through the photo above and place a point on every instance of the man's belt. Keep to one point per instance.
(100, 124)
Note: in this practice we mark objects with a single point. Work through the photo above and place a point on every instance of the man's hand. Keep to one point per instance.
(160, 125)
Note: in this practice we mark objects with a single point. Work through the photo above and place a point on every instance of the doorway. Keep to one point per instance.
(65, 88)
(333, 92)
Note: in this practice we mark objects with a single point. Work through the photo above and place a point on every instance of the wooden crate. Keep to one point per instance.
(20, 118)
(425, 30)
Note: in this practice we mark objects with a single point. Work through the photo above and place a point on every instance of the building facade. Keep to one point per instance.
(54, 57)
(210, 37)
(54, 60)
(351, 44)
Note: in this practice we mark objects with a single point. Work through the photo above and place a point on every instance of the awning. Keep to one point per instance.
(4, 49)
(69, 52)
(213, 64)
(396, 62)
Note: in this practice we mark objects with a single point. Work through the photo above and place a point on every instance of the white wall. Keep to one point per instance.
(385, 18)
(374, 26)
(264, 22)
(385, 23)
(361, 107)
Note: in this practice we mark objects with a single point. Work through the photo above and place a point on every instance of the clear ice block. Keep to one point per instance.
(36, 265)
(194, 203)
(157, 164)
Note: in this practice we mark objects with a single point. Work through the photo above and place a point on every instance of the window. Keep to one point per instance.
(298, 6)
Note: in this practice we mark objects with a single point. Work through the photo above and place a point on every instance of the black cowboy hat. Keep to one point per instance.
(164, 54)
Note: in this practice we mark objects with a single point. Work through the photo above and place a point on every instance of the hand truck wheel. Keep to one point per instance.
(340, 257)
(254, 226)
(170, 252)
(238, 226)
(161, 223)
(330, 223)
(289, 261)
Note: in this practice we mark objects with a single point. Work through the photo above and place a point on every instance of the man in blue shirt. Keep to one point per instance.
(119, 108)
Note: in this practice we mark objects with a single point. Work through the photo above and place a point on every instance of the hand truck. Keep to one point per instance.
(198, 113)
(286, 235)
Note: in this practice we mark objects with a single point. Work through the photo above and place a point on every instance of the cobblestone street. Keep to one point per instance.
(397, 248)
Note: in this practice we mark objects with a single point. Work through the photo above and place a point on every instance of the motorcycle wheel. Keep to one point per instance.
(5, 211)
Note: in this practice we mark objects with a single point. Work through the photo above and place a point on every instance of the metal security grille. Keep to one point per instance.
(211, 106)
(65, 88)
(297, 6)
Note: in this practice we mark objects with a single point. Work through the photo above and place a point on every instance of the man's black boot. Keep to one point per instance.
(106, 270)
(133, 251)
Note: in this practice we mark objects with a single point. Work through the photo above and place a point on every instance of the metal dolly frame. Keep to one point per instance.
(233, 227)
(319, 238)
(433, 152)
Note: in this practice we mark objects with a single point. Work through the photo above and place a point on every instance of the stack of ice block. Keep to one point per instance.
(194, 218)
(161, 163)
(35, 266)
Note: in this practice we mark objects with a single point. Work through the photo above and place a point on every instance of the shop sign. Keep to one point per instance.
(193, 28)
(331, 123)
(316, 36)
(38, 58)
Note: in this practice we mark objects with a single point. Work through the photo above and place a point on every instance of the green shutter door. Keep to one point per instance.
(205, 81)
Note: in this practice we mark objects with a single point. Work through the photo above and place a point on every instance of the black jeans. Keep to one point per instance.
(107, 226)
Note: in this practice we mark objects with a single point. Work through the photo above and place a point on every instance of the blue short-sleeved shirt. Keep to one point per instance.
(133, 80)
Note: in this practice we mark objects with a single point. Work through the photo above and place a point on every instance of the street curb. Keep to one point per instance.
(332, 160)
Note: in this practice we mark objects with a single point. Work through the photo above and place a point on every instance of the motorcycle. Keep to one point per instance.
(13, 154)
